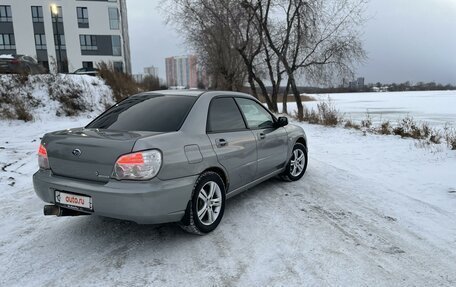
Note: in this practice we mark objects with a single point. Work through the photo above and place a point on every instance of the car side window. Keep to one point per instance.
(256, 116)
(224, 116)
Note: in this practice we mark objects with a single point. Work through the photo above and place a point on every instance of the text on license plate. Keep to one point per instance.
(73, 199)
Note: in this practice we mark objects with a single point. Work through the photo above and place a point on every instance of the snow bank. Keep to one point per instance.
(47, 96)
(6, 56)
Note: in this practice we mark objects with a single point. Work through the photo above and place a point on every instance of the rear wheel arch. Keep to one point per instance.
(221, 173)
(301, 140)
(192, 221)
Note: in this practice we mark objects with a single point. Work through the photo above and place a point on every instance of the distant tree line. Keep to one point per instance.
(272, 42)
(401, 87)
(394, 87)
(420, 86)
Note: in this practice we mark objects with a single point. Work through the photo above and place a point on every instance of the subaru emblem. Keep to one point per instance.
(77, 152)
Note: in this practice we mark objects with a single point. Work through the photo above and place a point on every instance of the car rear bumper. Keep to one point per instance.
(148, 202)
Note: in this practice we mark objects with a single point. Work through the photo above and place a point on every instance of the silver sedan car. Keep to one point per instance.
(168, 156)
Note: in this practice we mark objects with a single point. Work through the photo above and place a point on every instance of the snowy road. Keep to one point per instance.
(371, 211)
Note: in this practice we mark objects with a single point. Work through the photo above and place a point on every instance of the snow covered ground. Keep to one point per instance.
(435, 107)
(371, 211)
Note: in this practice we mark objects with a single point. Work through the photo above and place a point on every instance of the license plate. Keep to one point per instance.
(73, 200)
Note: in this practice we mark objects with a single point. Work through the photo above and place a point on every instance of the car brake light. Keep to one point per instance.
(135, 158)
(15, 61)
(43, 161)
(142, 165)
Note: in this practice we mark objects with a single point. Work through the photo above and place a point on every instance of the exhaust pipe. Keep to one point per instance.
(60, 212)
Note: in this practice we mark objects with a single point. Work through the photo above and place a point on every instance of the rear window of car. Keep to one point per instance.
(155, 113)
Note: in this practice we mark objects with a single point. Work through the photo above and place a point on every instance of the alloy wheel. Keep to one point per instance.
(298, 162)
(209, 203)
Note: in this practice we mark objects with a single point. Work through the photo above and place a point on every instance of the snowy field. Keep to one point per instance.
(371, 211)
(435, 107)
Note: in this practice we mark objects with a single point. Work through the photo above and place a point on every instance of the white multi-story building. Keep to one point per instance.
(70, 33)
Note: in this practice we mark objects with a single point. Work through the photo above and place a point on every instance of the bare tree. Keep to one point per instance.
(272, 40)
(314, 39)
(212, 39)
(226, 34)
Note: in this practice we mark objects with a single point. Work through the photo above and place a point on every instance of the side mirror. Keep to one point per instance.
(281, 122)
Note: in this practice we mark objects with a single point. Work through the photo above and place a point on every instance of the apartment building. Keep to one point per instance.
(70, 33)
(151, 71)
(183, 71)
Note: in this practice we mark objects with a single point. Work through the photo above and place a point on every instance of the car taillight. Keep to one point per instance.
(142, 165)
(15, 61)
(43, 161)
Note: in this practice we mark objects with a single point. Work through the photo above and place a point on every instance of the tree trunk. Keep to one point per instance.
(285, 98)
(264, 91)
(297, 96)
(275, 92)
(252, 86)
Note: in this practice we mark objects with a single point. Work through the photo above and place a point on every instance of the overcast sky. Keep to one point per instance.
(406, 40)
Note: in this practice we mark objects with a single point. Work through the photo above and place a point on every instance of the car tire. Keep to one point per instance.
(296, 170)
(207, 205)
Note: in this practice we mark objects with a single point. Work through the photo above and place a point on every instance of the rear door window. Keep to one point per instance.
(155, 113)
(224, 116)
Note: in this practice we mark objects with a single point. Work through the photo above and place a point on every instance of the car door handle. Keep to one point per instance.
(262, 136)
(221, 142)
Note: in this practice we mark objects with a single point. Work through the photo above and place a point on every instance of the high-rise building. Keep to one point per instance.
(151, 71)
(183, 71)
(360, 82)
(72, 34)
(356, 84)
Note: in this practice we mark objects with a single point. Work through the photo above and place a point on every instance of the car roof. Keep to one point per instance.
(197, 93)
(192, 93)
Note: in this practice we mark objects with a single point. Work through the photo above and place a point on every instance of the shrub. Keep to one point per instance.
(71, 102)
(435, 137)
(349, 124)
(326, 114)
(367, 122)
(15, 103)
(310, 116)
(329, 115)
(69, 95)
(452, 142)
(16, 110)
(450, 136)
(21, 112)
(385, 128)
(407, 127)
(122, 85)
(22, 77)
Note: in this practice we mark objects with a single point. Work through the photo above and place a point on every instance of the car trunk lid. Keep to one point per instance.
(88, 154)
